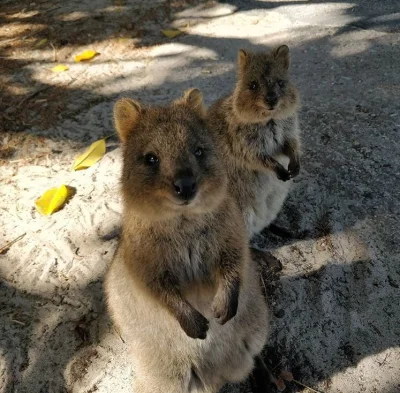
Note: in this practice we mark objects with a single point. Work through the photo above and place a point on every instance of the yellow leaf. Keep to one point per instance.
(40, 43)
(87, 55)
(171, 33)
(52, 200)
(60, 68)
(93, 154)
(124, 40)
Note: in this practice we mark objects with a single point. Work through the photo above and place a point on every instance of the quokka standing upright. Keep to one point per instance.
(259, 136)
(182, 288)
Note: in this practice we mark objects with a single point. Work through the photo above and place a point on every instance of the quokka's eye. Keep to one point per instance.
(151, 159)
(199, 152)
(281, 83)
(253, 85)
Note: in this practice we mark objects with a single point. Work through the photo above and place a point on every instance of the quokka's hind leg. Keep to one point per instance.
(280, 231)
(285, 233)
(260, 378)
(265, 258)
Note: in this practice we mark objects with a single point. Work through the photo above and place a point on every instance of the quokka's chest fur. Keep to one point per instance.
(194, 258)
(260, 194)
(269, 137)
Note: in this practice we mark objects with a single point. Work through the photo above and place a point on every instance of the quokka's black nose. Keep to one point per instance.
(185, 187)
(272, 99)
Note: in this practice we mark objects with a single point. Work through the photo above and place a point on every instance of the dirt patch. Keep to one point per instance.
(80, 367)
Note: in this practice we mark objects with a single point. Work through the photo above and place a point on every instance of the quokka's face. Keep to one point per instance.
(170, 165)
(264, 90)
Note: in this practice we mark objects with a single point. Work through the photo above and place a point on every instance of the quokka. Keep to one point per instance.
(182, 288)
(259, 136)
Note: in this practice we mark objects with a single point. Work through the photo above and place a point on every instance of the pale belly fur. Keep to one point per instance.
(265, 197)
(267, 207)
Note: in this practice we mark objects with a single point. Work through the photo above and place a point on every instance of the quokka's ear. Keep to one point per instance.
(243, 59)
(193, 99)
(126, 114)
(281, 54)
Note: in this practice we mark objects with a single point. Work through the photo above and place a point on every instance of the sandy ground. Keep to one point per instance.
(336, 304)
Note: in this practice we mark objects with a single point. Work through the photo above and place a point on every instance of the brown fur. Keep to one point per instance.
(182, 271)
(257, 131)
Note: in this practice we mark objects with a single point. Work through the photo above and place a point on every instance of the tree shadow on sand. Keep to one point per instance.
(323, 323)
(332, 319)
(40, 335)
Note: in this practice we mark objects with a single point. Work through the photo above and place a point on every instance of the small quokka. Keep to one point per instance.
(182, 289)
(258, 133)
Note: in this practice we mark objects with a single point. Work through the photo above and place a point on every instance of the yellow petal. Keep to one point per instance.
(93, 154)
(60, 68)
(87, 55)
(52, 200)
(171, 33)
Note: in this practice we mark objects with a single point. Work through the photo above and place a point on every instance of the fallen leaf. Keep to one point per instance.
(93, 154)
(171, 33)
(279, 384)
(124, 40)
(60, 68)
(41, 43)
(87, 55)
(286, 375)
(52, 200)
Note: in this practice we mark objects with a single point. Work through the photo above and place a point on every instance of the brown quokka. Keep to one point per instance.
(257, 129)
(182, 288)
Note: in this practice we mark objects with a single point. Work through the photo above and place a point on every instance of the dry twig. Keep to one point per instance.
(19, 322)
(9, 244)
(305, 386)
(54, 51)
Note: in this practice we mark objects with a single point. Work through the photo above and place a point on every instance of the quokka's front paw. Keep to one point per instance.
(194, 325)
(294, 168)
(225, 304)
(282, 173)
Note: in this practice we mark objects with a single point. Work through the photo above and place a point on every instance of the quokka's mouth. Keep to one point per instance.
(266, 112)
(181, 203)
(264, 108)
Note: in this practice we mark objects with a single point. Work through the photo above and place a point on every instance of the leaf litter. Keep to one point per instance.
(60, 68)
(91, 155)
(172, 33)
(54, 199)
(86, 56)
